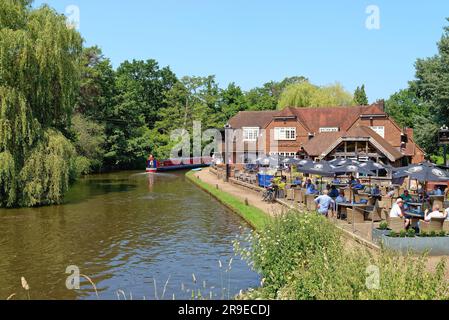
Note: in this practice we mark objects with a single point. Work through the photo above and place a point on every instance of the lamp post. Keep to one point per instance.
(228, 131)
(443, 140)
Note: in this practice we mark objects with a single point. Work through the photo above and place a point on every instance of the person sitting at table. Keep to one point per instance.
(390, 192)
(406, 196)
(333, 193)
(341, 197)
(375, 191)
(397, 211)
(324, 203)
(297, 181)
(358, 185)
(436, 191)
(336, 180)
(310, 187)
(434, 214)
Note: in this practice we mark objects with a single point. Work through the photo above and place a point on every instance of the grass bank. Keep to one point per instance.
(254, 216)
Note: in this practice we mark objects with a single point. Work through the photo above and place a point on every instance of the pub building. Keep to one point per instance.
(357, 132)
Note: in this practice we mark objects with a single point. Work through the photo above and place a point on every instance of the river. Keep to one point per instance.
(134, 235)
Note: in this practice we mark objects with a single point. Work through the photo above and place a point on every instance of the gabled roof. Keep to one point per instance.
(338, 117)
(323, 143)
(252, 119)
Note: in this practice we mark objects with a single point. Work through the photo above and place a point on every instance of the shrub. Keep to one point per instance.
(302, 257)
(411, 233)
(383, 225)
(402, 234)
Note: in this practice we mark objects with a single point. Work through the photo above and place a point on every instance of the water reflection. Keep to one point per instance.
(126, 231)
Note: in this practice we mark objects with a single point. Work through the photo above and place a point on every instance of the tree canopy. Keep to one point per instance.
(39, 78)
(306, 94)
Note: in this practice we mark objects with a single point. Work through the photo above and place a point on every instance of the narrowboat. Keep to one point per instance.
(154, 165)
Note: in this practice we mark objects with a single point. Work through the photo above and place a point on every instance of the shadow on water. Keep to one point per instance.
(126, 231)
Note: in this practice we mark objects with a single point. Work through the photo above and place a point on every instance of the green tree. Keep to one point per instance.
(267, 96)
(140, 90)
(432, 79)
(404, 107)
(89, 141)
(97, 87)
(360, 97)
(39, 81)
(305, 94)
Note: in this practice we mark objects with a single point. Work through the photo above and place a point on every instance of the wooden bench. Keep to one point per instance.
(395, 224)
(435, 224)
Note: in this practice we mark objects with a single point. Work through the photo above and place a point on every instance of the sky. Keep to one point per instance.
(251, 42)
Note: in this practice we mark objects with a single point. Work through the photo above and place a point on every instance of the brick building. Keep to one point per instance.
(362, 132)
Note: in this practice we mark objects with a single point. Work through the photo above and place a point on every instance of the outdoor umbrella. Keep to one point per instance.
(322, 169)
(373, 166)
(264, 161)
(422, 172)
(344, 162)
(305, 162)
(351, 168)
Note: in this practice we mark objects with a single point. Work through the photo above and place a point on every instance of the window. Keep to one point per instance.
(284, 133)
(329, 129)
(380, 130)
(250, 134)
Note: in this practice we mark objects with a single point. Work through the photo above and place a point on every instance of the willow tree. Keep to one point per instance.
(306, 94)
(39, 60)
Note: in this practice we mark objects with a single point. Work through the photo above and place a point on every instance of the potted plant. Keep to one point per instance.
(382, 230)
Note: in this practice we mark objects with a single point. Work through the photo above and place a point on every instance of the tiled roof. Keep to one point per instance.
(252, 119)
(340, 117)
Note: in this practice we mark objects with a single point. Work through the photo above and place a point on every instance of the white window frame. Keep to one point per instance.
(285, 134)
(380, 130)
(329, 129)
(250, 133)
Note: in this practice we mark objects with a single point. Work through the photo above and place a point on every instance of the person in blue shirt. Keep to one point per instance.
(358, 185)
(297, 181)
(333, 193)
(336, 180)
(324, 203)
(437, 191)
(310, 187)
(341, 197)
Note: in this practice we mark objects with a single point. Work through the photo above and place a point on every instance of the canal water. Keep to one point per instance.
(134, 235)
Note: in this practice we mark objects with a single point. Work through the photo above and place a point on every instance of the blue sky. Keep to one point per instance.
(251, 42)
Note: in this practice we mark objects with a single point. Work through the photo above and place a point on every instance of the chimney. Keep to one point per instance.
(380, 104)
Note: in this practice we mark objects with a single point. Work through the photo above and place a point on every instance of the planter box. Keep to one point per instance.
(435, 246)
(377, 234)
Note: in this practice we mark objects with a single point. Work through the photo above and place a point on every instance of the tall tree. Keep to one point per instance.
(360, 97)
(39, 79)
(141, 87)
(305, 94)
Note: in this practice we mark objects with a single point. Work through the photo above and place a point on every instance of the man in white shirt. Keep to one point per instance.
(397, 211)
(435, 214)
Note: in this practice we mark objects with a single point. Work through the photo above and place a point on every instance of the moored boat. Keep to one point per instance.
(177, 164)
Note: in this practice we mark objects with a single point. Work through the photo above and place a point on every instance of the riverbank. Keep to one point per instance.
(241, 203)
